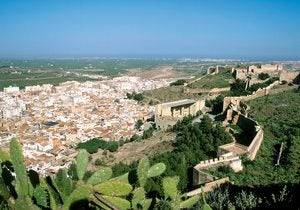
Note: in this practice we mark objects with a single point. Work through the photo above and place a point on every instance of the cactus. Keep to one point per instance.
(142, 171)
(156, 170)
(139, 199)
(171, 192)
(80, 193)
(60, 191)
(113, 188)
(120, 203)
(170, 187)
(189, 203)
(53, 198)
(100, 176)
(205, 206)
(122, 178)
(63, 184)
(82, 160)
(41, 196)
(23, 204)
(23, 185)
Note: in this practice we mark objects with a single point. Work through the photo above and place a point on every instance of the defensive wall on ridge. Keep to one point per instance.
(204, 90)
(259, 93)
(235, 111)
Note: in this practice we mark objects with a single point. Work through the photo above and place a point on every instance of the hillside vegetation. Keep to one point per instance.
(220, 80)
(280, 117)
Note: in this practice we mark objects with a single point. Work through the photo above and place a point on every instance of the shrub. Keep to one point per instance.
(178, 82)
(216, 104)
(94, 144)
(263, 76)
(138, 124)
(238, 88)
(135, 137)
(148, 133)
(135, 96)
(99, 162)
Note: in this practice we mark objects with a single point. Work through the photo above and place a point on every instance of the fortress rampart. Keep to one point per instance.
(259, 93)
(203, 90)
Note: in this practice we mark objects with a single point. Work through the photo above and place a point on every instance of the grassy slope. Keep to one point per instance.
(281, 110)
(213, 81)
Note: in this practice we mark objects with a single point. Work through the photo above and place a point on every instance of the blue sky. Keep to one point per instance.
(203, 28)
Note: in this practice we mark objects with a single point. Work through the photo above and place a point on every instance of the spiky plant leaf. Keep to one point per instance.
(101, 204)
(80, 193)
(122, 178)
(142, 171)
(100, 176)
(120, 203)
(205, 206)
(82, 160)
(41, 196)
(53, 195)
(4, 156)
(63, 183)
(156, 170)
(170, 187)
(138, 197)
(53, 190)
(189, 203)
(52, 200)
(113, 188)
(24, 204)
(146, 204)
(17, 159)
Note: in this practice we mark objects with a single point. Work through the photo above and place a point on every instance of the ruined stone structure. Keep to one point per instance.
(167, 114)
(235, 112)
(200, 176)
(254, 131)
(253, 71)
(209, 186)
(239, 100)
(290, 76)
(215, 69)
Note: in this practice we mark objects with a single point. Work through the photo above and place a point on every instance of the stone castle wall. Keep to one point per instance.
(216, 69)
(200, 175)
(259, 93)
(290, 76)
(255, 144)
(167, 116)
(204, 90)
(208, 186)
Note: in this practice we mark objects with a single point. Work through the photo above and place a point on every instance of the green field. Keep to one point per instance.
(22, 78)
